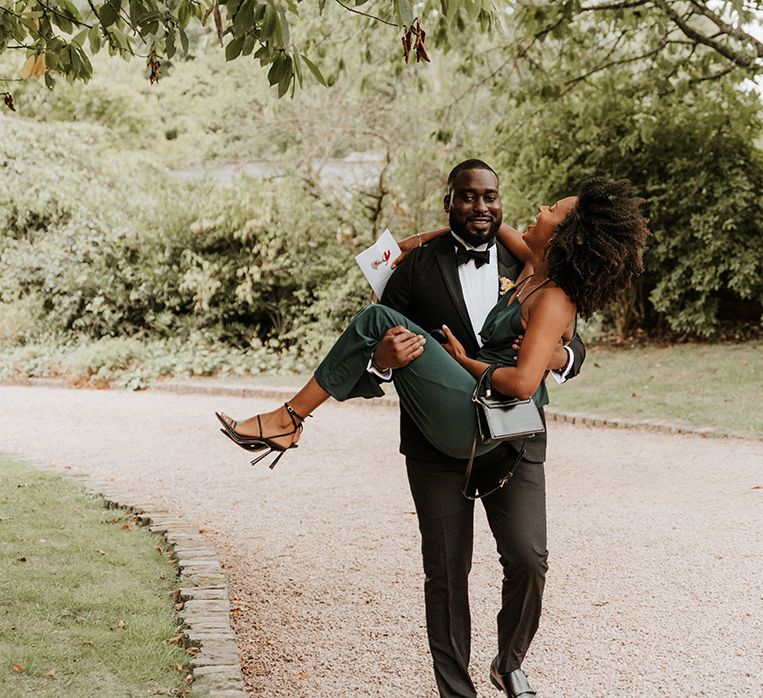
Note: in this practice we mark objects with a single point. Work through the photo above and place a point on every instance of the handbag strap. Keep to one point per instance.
(501, 483)
(486, 379)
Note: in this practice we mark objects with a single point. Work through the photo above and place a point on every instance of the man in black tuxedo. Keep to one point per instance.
(445, 282)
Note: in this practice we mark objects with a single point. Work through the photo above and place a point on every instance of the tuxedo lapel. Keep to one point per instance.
(446, 260)
(508, 265)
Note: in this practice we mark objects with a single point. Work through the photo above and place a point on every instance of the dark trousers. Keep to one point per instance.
(517, 519)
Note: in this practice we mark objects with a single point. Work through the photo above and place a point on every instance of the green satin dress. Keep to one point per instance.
(434, 388)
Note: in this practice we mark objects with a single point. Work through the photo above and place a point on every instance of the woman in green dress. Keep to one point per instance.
(579, 255)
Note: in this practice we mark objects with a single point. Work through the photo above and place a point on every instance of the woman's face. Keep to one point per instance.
(539, 235)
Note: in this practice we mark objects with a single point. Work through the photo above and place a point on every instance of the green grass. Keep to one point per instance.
(81, 598)
(700, 385)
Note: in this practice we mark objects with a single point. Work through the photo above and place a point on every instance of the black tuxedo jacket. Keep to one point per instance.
(427, 290)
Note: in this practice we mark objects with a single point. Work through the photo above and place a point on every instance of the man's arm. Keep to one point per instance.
(398, 291)
(399, 346)
(566, 360)
(577, 350)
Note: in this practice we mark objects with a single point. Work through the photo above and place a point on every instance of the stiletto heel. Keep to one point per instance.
(257, 443)
(275, 461)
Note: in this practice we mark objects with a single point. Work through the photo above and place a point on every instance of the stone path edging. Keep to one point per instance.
(202, 603)
(210, 387)
(553, 415)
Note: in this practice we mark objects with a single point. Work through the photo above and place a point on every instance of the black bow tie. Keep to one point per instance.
(463, 256)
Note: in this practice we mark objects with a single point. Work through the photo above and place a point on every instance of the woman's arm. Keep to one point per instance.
(549, 318)
(509, 237)
(512, 239)
(417, 240)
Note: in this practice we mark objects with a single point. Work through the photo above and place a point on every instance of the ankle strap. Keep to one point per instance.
(293, 413)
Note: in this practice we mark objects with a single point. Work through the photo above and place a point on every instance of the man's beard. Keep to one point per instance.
(475, 239)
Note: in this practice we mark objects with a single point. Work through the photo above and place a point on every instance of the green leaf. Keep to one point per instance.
(233, 49)
(169, 44)
(109, 12)
(184, 13)
(244, 19)
(262, 54)
(297, 65)
(94, 37)
(277, 70)
(314, 70)
(74, 59)
(183, 39)
(282, 30)
(268, 23)
(63, 23)
(70, 9)
(80, 37)
(249, 43)
(86, 69)
(286, 78)
(404, 12)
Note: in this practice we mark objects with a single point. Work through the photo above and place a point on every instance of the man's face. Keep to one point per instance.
(474, 206)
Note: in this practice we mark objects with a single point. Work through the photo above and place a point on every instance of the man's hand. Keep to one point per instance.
(397, 348)
(559, 359)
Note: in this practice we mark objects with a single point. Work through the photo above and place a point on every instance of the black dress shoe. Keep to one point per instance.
(513, 685)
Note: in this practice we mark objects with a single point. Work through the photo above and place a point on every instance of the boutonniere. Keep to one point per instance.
(506, 285)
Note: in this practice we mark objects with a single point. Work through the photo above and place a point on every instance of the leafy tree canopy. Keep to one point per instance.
(564, 42)
(59, 37)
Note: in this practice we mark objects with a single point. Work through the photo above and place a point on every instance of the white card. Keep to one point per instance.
(376, 261)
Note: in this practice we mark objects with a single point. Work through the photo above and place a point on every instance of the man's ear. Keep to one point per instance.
(446, 202)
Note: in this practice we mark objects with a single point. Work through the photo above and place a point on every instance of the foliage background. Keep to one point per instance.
(124, 246)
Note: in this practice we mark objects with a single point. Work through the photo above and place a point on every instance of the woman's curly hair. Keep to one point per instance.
(595, 252)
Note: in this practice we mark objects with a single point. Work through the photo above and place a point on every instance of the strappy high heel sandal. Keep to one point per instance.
(258, 443)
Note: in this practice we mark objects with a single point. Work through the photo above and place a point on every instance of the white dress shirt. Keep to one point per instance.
(479, 286)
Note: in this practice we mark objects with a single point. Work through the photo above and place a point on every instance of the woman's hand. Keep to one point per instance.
(406, 246)
(453, 346)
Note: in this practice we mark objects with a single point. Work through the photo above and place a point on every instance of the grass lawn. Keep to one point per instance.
(86, 603)
(703, 385)
(700, 385)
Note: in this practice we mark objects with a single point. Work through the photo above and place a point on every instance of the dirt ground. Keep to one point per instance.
(655, 584)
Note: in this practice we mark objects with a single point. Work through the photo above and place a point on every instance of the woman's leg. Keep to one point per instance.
(280, 421)
(434, 389)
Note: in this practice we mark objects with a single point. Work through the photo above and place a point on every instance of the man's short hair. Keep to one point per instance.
(472, 164)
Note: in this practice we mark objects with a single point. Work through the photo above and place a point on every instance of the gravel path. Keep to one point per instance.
(656, 558)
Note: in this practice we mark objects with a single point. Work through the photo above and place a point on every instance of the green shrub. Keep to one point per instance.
(693, 155)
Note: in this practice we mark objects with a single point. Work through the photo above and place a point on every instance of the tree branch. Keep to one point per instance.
(714, 76)
(620, 61)
(739, 59)
(104, 31)
(365, 14)
(625, 5)
(48, 8)
(727, 28)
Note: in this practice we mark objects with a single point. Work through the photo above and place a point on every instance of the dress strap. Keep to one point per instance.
(543, 283)
(516, 290)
